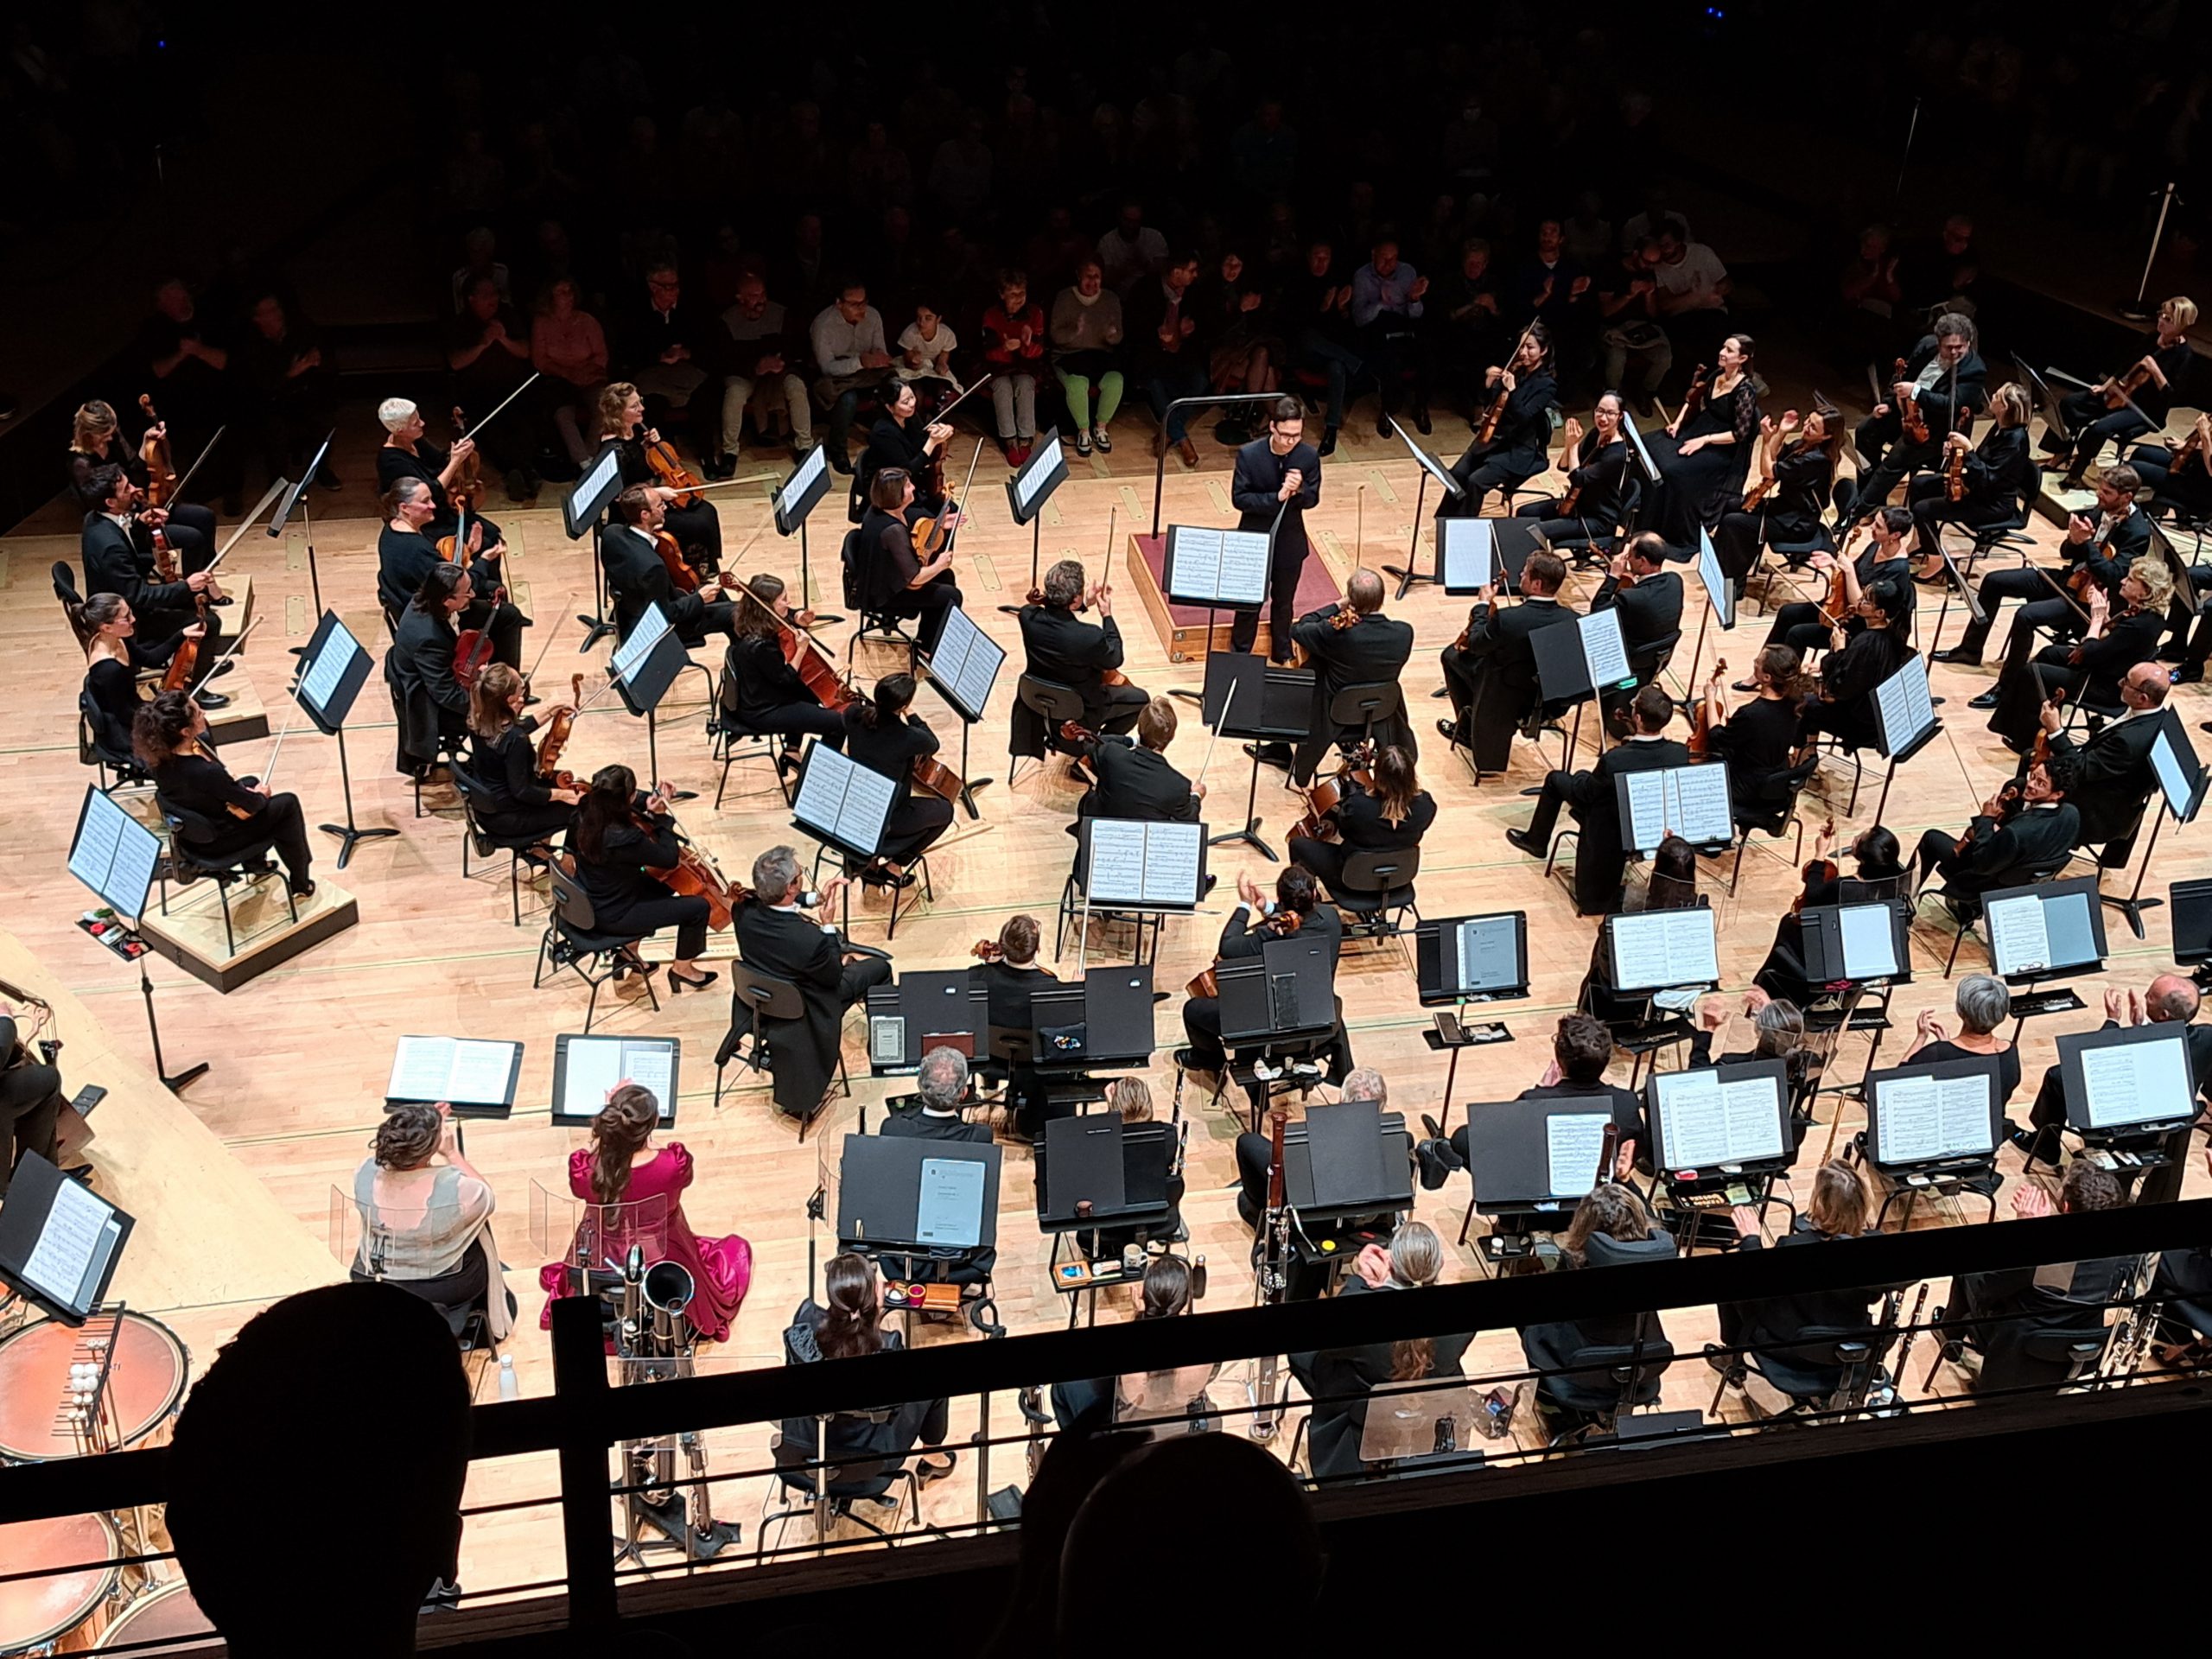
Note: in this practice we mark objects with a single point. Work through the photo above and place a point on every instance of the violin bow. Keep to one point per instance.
(1220, 721)
(277, 748)
(551, 634)
(2059, 587)
(474, 427)
(227, 655)
(176, 493)
(1106, 567)
(965, 395)
(954, 535)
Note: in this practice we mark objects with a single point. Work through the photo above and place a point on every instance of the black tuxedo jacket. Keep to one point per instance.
(1259, 475)
(2112, 778)
(2002, 855)
(1649, 610)
(1134, 782)
(1065, 648)
(118, 561)
(1373, 651)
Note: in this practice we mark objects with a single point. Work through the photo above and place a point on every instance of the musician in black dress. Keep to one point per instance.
(1794, 504)
(405, 554)
(1945, 380)
(638, 576)
(1856, 664)
(1704, 453)
(1277, 479)
(95, 442)
(116, 546)
(2093, 418)
(1995, 478)
(1597, 465)
(893, 579)
(1885, 555)
(2178, 476)
(517, 802)
(433, 703)
(900, 437)
(697, 528)
(1391, 816)
(1759, 740)
(762, 691)
(1517, 446)
(113, 656)
(621, 835)
(883, 733)
(1010, 979)
(1877, 873)
(171, 738)
(406, 452)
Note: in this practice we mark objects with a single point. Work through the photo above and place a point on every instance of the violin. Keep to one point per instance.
(2116, 389)
(1955, 473)
(1821, 869)
(1488, 429)
(2195, 444)
(1908, 415)
(184, 663)
(1764, 483)
(161, 467)
(1701, 716)
(668, 467)
(556, 739)
(1282, 925)
(693, 875)
(1838, 604)
(1693, 399)
(988, 950)
(468, 486)
(681, 575)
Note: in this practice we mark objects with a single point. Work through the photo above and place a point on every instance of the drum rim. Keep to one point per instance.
(10, 1453)
(165, 1591)
(109, 1575)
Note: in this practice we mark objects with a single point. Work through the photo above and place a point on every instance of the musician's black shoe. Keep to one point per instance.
(2174, 651)
(1382, 424)
(1448, 731)
(225, 599)
(1526, 843)
(1269, 755)
(721, 466)
(838, 463)
(1986, 700)
(221, 670)
(211, 700)
(1745, 686)
(1328, 441)
(1433, 1168)
(1421, 422)
(1959, 657)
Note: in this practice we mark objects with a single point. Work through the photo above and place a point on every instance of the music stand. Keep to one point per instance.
(1575, 665)
(925, 1008)
(1935, 1128)
(1138, 868)
(2127, 1081)
(793, 501)
(843, 803)
(115, 855)
(2044, 931)
(1345, 1163)
(1904, 720)
(964, 668)
(331, 671)
(643, 667)
(59, 1241)
(476, 1077)
(1690, 801)
(584, 509)
(1219, 569)
(1431, 468)
(297, 497)
(586, 1070)
(2183, 782)
(903, 1196)
(1858, 944)
(1475, 553)
(2046, 400)
(1271, 704)
(1720, 606)
(1027, 493)
(1462, 960)
(1724, 1122)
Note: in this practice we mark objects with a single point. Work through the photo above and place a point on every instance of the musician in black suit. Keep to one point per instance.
(1136, 780)
(761, 691)
(1945, 377)
(1582, 1047)
(405, 555)
(942, 1079)
(2101, 547)
(1598, 856)
(1066, 650)
(433, 704)
(2120, 635)
(636, 577)
(899, 438)
(1371, 649)
(1855, 664)
(1491, 672)
(1649, 599)
(1523, 438)
(1009, 980)
(1249, 928)
(774, 937)
(1597, 466)
(2012, 1306)
(1884, 558)
(2008, 840)
(1995, 478)
(1277, 478)
(2112, 777)
(118, 547)
(2170, 999)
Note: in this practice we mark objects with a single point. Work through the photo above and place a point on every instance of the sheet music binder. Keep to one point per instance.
(59, 1241)
(1509, 1150)
(1497, 954)
(880, 1192)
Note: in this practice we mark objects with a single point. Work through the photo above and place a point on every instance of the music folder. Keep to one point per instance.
(2045, 928)
(2136, 1078)
(1720, 1117)
(1477, 958)
(586, 1068)
(1535, 1154)
(113, 853)
(1904, 714)
(1948, 1112)
(587, 498)
(1590, 656)
(475, 1076)
(1663, 949)
(965, 664)
(1478, 553)
(1082, 1165)
(903, 1194)
(2192, 924)
(1859, 944)
(1027, 491)
(1291, 987)
(1691, 802)
(2181, 779)
(1718, 590)
(59, 1241)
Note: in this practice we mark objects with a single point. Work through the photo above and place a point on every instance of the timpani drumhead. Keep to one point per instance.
(33, 1611)
(146, 1381)
(167, 1613)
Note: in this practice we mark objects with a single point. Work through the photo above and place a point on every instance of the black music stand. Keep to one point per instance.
(298, 498)
(793, 502)
(926, 1008)
(584, 509)
(1271, 705)
(1495, 970)
(964, 668)
(890, 1201)
(60, 1244)
(1472, 553)
(643, 667)
(331, 672)
(1453, 491)
(115, 855)
(1906, 720)
(1027, 493)
(1933, 1130)
(1527, 1170)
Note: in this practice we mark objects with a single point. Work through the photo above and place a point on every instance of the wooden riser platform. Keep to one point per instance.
(1182, 630)
(191, 934)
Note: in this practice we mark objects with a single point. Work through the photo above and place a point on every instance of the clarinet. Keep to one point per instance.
(1275, 1275)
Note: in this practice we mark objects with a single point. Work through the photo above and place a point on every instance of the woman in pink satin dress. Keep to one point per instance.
(617, 1169)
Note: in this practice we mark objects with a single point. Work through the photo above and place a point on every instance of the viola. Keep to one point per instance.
(681, 575)
(1821, 869)
(1955, 473)
(556, 739)
(668, 467)
(196, 745)
(184, 664)
(2116, 389)
(1282, 925)
(161, 467)
(1702, 714)
(472, 649)
(1908, 415)
(2196, 445)
(988, 950)
(1488, 429)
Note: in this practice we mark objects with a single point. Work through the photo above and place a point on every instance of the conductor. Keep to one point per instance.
(1279, 475)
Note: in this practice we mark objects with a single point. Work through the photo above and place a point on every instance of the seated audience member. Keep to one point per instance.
(764, 361)
(569, 347)
(1599, 858)
(307, 1374)
(846, 1324)
(2016, 834)
(1491, 671)
(1013, 347)
(1086, 339)
(1340, 1380)
(851, 355)
(1168, 350)
(1841, 1207)
(1390, 815)
(1180, 1391)
(774, 937)
(924, 359)
(280, 361)
(426, 1218)
(942, 1079)
(1997, 1315)
(1983, 1003)
(1084, 656)
(622, 835)
(1581, 1050)
(487, 349)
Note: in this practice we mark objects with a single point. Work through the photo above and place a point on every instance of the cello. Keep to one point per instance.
(693, 875)
(822, 681)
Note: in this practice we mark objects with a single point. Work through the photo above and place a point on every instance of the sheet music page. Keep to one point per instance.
(1117, 871)
(1574, 1145)
(1962, 1106)
(1244, 565)
(421, 1069)
(651, 1065)
(979, 672)
(1910, 1114)
(1687, 946)
(868, 796)
(796, 486)
(2018, 938)
(2135, 1082)
(68, 1243)
(1701, 804)
(2176, 782)
(1869, 941)
(1718, 588)
(595, 1066)
(1486, 954)
(1198, 560)
(320, 684)
(631, 654)
(1171, 863)
(1470, 553)
(480, 1070)
(822, 790)
(138, 850)
(952, 641)
(949, 1211)
(1754, 1118)
(1648, 804)
(1693, 1120)
(1904, 703)
(93, 855)
(1603, 651)
(1640, 950)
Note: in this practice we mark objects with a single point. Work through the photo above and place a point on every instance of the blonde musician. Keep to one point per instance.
(517, 802)
(2122, 631)
(2179, 477)
(762, 692)
(697, 528)
(1296, 908)
(2135, 401)
(171, 738)
(95, 442)
(621, 838)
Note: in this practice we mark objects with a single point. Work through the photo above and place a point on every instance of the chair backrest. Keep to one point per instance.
(1634, 1371)
(64, 589)
(186, 824)
(570, 903)
(470, 788)
(1364, 704)
(1049, 698)
(1367, 871)
(767, 997)
(849, 560)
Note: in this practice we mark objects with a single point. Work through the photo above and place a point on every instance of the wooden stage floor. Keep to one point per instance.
(233, 1187)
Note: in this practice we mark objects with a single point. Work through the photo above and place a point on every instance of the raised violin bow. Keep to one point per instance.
(954, 535)
(227, 655)
(966, 393)
(176, 490)
(478, 426)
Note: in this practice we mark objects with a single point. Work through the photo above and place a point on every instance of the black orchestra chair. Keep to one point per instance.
(828, 1492)
(726, 732)
(251, 863)
(1364, 705)
(1772, 819)
(1374, 891)
(2010, 532)
(876, 622)
(768, 997)
(1827, 1368)
(1054, 705)
(473, 800)
(64, 589)
(91, 752)
(1586, 1396)
(1963, 913)
(574, 939)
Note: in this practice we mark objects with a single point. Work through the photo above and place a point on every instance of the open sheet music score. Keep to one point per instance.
(1470, 554)
(1046, 467)
(1207, 566)
(1920, 1119)
(324, 670)
(1573, 1144)
(1691, 802)
(2042, 929)
(1488, 954)
(2180, 777)
(113, 853)
(601, 480)
(587, 1068)
(1604, 652)
(1134, 863)
(965, 663)
(790, 503)
(2138, 1074)
(1718, 588)
(950, 1213)
(75, 1247)
(460, 1071)
(1902, 707)
(630, 655)
(1708, 1118)
(1659, 949)
(843, 800)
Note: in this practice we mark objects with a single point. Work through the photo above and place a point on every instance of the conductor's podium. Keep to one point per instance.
(1182, 629)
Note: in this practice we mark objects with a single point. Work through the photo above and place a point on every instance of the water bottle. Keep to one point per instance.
(510, 1384)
